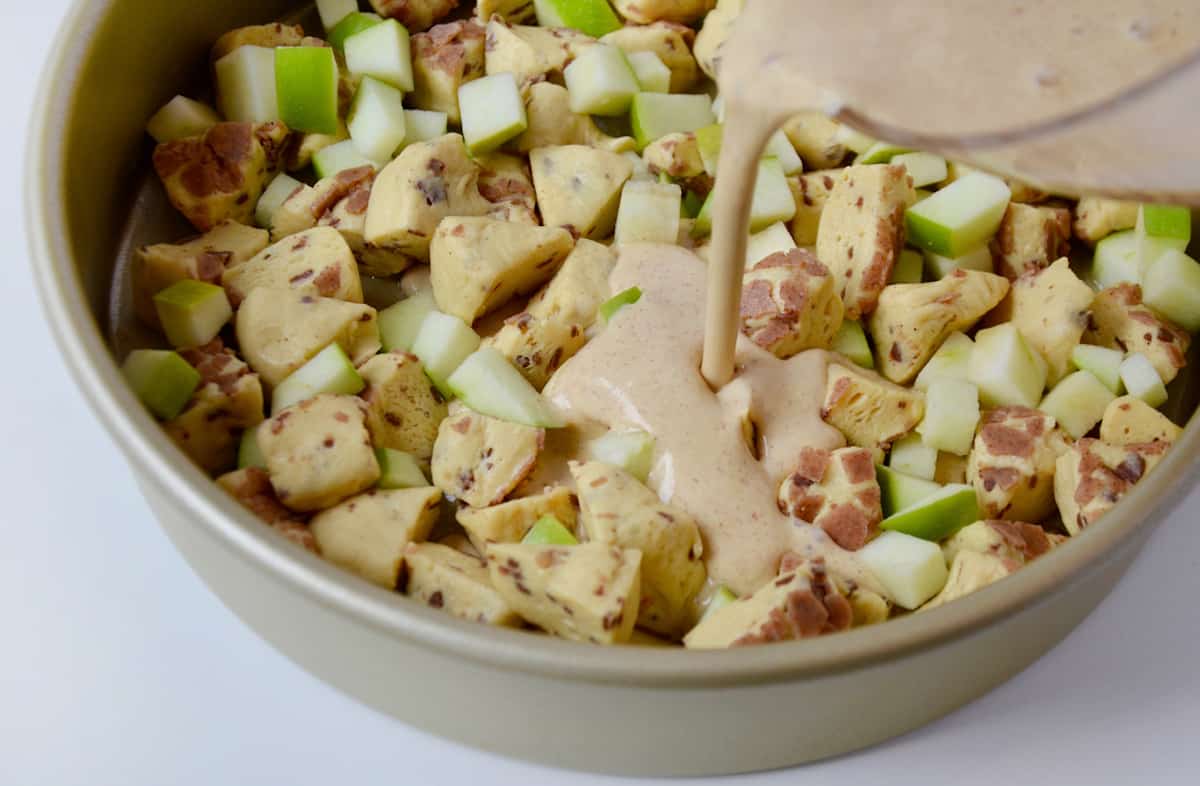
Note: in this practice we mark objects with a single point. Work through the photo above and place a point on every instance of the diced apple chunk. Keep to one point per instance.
(352, 24)
(649, 213)
(1116, 260)
(1006, 369)
(1142, 380)
(376, 120)
(399, 470)
(488, 383)
(979, 258)
(900, 491)
(909, 267)
(400, 323)
(652, 73)
(282, 187)
(960, 216)
(951, 415)
(421, 125)
(772, 200)
(632, 451)
(162, 379)
(851, 342)
(911, 456)
(952, 359)
(772, 240)
(382, 51)
(1103, 363)
(1171, 286)
(601, 82)
(925, 169)
(306, 86)
(246, 85)
(592, 17)
(334, 11)
(329, 371)
(1077, 403)
(492, 112)
(442, 344)
(549, 531)
(937, 516)
(609, 308)
(912, 570)
(340, 157)
(192, 312)
(180, 118)
(654, 115)
(1161, 227)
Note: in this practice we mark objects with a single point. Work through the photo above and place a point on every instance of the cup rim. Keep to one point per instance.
(157, 461)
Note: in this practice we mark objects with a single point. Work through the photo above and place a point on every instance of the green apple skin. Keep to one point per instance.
(549, 531)
(493, 112)
(593, 17)
(442, 343)
(383, 51)
(880, 153)
(601, 82)
(909, 267)
(329, 371)
(959, 217)
(250, 455)
(488, 383)
(937, 516)
(1078, 402)
(306, 86)
(400, 323)
(899, 491)
(654, 115)
(192, 312)
(352, 25)
(610, 307)
(162, 379)
(399, 470)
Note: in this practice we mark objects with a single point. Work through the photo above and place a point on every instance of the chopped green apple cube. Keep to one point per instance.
(249, 453)
(1142, 380)
(772, 201)
(1116, 260)
(162, 379)
(1160, 227)
(399, 470)
(1007, 371)
(910, 569)
(593, 17)
(779, 148)
(937, 516)
(1171, 286)
(772, 240)
(900, 491)
(649, 212)
(192, 312)
(952, 359)
(339, 157)
(381, 51)
(273, 197)
(352, 25)
(421, 125)
(851, 342)
(549, 531)
(959, 217)
(492, 112)
(400, 323)
(911, 456)
(306, 85)
(610, 307)
(880, 153)
(329, 371)
(442, 343)
(721, 598)
(377, 119)
(488, 383)
(1078, 402)
(600, 81)
(853, 139)
(246, 85)
(951, 415)
(334, 11)
(908, 268)
(652, 74)
(976, 259)
(632, 451)
(708, 144)
(925, 169)
(1103, 363)
(180, 118)
(654, 115)
(693, 203)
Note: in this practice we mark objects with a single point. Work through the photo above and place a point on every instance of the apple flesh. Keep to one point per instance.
(938, 515)
(1142, 381)
(911, 456)
(382, 51)
(400, 323)
(442, 343)
(488, 383)
(329, 371)
(399, 470)
(851, 342)
(306, 85)
(246, 85)
(352, 25)
(1007, 371)
(549, 531)
(1161, 227)
(959, 217)
(910, 569)
(654, 115)
(772, 200)
(181, 118)
(925, 169)
(250, 455)
(880, 153)
(192, 312)
(421, 125)
(600, 81)
(273, 197)
(610, 307)
(774, 239)
(708, 143)
(339, 157)
(649, 213)
(1171, 286)
(780, 149)
(1078, 402)
(853, 139)
(652, 74)
(899, 491)
(939, 266)
(632, 451)
(952, 359)
(334, 11)
(377, 119)
(593, 17)
(1103, 363)
(1116, 260)
(492, 112)
(162, 379)
(951, 415)
(909, 267)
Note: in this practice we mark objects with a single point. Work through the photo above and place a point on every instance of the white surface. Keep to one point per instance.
(118, 667)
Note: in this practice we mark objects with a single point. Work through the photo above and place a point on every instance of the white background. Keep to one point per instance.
(118, 667)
